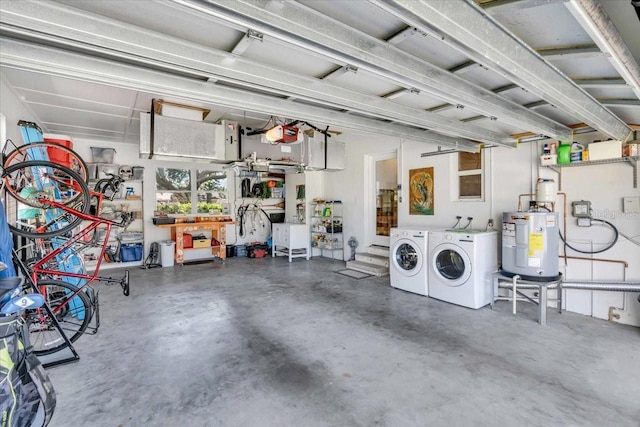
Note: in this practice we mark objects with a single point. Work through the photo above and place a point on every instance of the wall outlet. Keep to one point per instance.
(630, 204)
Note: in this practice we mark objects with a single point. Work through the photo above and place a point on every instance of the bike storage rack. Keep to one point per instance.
(57, 361)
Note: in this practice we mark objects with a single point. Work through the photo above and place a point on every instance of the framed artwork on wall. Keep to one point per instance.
(421, 191)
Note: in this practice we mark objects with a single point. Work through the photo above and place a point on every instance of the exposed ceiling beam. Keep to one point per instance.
(582, 51)
(514, 4)
(20, 55)
(403, 34)
(338, 72)
(460, 22)
(593, 17)
(620, 102)
(246, 41)
(500, 89)
(49, 22)
(296, 24)
(401, 92)
(605, 83)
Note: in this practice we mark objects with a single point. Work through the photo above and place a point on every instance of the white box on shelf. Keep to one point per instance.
(605, 150)
(548, 159)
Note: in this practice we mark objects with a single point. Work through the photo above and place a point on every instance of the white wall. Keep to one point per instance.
(509, 174)
(13, 110)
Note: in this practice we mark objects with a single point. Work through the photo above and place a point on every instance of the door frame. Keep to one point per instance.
(370, 196)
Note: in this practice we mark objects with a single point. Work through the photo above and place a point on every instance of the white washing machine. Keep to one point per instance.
(408, 259)
(460, 266)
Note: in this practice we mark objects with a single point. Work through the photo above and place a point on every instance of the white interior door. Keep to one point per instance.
(382, 201)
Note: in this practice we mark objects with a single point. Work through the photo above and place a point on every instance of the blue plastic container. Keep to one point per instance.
(241, 250)
(131, 252)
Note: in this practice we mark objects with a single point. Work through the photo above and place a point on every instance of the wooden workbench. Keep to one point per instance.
(218, 230)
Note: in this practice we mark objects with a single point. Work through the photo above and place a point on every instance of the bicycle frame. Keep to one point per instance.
(39, 268)
(99, 196)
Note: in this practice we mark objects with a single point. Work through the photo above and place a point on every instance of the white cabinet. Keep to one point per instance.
(290, 240)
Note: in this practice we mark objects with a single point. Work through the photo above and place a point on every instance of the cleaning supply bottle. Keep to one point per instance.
(564, 154)
(576, 152)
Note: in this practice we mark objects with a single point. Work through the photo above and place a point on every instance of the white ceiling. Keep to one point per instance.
(453, 72)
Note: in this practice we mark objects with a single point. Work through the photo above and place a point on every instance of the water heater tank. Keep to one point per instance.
(530, 245)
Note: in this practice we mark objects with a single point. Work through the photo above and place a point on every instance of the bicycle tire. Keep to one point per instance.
(40, 151)
(24, 182)
(73, 315)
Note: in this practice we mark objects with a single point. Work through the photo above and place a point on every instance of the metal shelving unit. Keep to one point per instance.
(326, 228)
(631, 161)
(133, 203)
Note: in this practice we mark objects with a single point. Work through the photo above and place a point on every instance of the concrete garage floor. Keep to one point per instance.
(264, 342)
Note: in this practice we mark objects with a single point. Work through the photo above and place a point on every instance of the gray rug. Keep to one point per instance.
(354, 274)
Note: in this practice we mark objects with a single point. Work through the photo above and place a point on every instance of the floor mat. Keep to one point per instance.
(354, 274)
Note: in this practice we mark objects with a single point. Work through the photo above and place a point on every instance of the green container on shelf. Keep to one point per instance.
(564, 154)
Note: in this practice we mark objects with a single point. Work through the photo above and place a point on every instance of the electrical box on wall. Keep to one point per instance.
(581, 209)
(631, 204)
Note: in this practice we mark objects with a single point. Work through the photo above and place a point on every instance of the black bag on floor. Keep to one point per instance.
(27, 397)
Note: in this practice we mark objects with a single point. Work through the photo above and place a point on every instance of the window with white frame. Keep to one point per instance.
(190, 191)
(470, 176)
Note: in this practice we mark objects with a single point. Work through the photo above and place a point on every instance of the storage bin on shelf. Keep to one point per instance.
(201, 242)
(131, 235)
(102, 154)
(57, 155)
(605, 150)
(138, 173)
(131, 252)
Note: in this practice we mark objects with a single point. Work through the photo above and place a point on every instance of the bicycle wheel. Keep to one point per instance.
(41, 150)
(29, 185)
(72, 309)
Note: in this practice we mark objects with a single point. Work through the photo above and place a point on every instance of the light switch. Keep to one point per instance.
(630, 204)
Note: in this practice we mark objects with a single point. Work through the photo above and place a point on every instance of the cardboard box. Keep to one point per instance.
(631, 149)
(605, 150)
(180, 111)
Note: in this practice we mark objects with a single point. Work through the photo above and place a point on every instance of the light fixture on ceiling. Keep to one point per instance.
(283, 134)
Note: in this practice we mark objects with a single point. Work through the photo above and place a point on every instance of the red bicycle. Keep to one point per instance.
(57, 268)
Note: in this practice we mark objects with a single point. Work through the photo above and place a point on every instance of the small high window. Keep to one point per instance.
(470, 176)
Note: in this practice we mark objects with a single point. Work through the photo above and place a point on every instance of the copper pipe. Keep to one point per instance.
(617, 261)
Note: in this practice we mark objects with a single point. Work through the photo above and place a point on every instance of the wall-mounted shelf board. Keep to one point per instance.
(631, 161)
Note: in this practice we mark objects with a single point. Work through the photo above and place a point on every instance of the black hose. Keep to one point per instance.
(609, 246)
(242, 210)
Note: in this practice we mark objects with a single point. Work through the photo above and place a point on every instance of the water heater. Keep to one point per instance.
(530, 245)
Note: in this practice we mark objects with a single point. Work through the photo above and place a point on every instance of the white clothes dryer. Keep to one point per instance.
(408, 259)
(460, 266)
